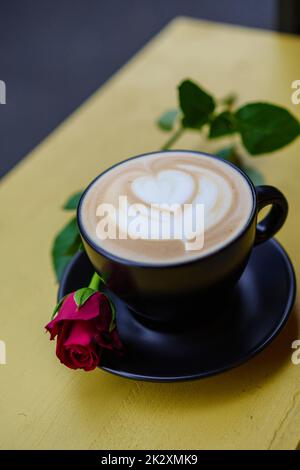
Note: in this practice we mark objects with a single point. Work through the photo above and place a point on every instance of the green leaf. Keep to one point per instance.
(72, 202)
(195, 103)
(65, 245)
(103, 277)
(255, 175)
(82, 295)
(265, 127)
(113, 315)
(223, 124)
(167, 120)
(57, 307)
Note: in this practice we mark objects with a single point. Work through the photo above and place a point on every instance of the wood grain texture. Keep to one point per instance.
(43, 405)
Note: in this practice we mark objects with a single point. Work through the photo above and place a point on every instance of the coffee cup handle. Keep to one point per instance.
(270, 196)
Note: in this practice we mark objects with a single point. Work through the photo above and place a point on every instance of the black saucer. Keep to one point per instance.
(260, 307)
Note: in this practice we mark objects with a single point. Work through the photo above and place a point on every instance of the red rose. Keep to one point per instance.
(84, 325)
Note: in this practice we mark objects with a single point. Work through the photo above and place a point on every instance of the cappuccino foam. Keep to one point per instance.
(172, 178)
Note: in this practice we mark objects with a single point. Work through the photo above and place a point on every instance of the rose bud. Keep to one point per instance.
(84, 324)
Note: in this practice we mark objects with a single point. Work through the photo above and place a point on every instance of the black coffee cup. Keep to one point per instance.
(173, 292)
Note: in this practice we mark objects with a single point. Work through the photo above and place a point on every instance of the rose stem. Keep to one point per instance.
(173, 138)
(95, 281)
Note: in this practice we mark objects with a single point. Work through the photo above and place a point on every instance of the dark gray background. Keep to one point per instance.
(55, 53)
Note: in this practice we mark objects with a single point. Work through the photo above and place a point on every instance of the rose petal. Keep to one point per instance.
(61, 351)
(84, 358)
(110, 340)
(75, 347)
(116, 339)
(70, 311)
(82, 333)
(105, 314)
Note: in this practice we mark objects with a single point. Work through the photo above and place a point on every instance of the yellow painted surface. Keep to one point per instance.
(43, 405)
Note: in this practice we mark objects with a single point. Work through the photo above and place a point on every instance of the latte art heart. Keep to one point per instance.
(163, 184)
(167, 187)
(180, 187)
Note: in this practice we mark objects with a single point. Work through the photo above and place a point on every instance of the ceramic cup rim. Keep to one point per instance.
(171, 264)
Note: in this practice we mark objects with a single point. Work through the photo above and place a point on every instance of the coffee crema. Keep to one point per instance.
(177, 178)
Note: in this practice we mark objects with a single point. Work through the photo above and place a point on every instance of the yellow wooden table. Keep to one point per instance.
(44, 405)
